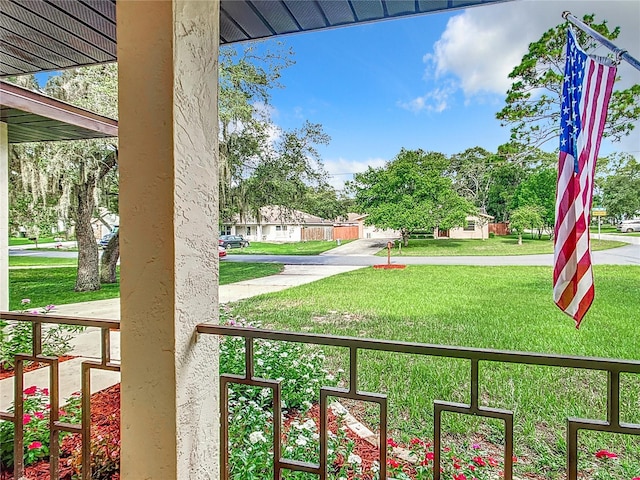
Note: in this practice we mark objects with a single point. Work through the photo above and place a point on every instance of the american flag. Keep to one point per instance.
(588, 82)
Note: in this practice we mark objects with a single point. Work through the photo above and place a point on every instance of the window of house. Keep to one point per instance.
(280, 228)
(471, 225)
(248, 230)
(225, 230)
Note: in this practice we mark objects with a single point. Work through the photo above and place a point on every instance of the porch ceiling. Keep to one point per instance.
(32, 117)
(40, 35)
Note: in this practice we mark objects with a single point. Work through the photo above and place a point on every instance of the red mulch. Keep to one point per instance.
(105, 423)
(363, 449)
(8, 372)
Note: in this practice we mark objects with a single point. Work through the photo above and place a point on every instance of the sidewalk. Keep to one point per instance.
(87, 344)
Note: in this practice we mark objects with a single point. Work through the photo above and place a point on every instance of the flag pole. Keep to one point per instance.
(621, 54)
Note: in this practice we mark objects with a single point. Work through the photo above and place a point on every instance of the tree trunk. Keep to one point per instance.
(87, 279)
(519, 239)
(405, 236)
(109, 260)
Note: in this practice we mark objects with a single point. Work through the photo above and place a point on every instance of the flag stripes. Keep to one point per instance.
(585, 96)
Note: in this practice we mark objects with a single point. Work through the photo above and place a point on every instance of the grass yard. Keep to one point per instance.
(313, 247)
(27, 261)
(45, 286)
(507, 308)
(499, 245)
(13, 241)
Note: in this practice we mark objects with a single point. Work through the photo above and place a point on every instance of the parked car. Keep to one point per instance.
(232, 241)
(222, 252)
(629, 225)
(104, 241)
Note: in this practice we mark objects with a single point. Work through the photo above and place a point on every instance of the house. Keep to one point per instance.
(477, 227)
(370, 231)
(279, 224)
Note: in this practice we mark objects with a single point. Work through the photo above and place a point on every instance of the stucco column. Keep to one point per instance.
(168, 159)
(4, 217)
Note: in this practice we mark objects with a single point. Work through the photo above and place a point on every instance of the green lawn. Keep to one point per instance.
(19, 261)
(13, 241)
(499, 245)
(314, 247)
(490, 307)
(603, 229)
(45, 286)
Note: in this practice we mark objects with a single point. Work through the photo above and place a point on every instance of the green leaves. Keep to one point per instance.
(412, 192)
(532, 105)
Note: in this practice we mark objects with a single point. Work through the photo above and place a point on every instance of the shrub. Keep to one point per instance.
(15, 337)
(36, 426)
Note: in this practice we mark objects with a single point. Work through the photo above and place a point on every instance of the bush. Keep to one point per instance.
(36, 426)
(15, 337)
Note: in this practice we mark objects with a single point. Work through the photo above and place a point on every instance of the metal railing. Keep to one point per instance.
(612, 367)
(55, 425)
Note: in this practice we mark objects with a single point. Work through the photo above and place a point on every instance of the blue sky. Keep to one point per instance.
(433, 82)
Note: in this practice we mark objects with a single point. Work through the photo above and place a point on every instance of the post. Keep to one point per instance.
(599, 223)
(4, 216)
(168, 159)
(389, 247)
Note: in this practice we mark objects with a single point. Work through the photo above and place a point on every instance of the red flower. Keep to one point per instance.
(605, 454)
(416, 441)
(392, 463)
(39, 415)
(479, 461)
(31, 390)
(461, 476)
(45, 391)
(34, 445)
(26, 418)
(429, 455)
(391, 443)
(457, 466)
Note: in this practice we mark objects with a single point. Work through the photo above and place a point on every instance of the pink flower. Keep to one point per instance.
(26, 418)
(476, 446)
(39, 415)
(31, 390)
(461, 476)
(25, 301)
(605, 454)
(34, 445)
(416, 441)
(392, 463)
(45, 391)
(429, 456)
(391, 443)
(479, 461)
(492, 462)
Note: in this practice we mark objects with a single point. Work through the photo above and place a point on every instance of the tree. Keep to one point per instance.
(621, 189)
(324, 202)
(72, 172)
(533, 101)
(411, 192)
(472, 176)
(528, 216)
(539, 190)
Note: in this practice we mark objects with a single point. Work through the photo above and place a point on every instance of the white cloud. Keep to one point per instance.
(341, 169)
(436, 100)
(482, 45)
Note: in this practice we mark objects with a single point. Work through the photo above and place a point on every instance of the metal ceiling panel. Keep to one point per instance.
(32, 117)
(39, 35)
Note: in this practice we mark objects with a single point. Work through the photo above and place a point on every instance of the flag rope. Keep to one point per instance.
(621, 54)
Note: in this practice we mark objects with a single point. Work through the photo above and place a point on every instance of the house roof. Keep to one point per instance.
(277, 215)
(33, 117)
(39, 35)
